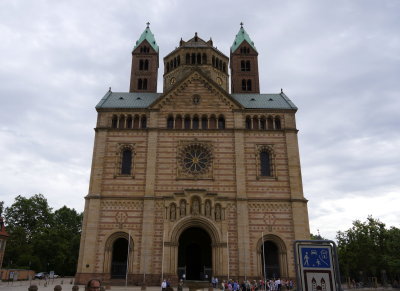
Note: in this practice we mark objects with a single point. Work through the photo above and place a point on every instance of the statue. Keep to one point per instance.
(183, 208)
(217, 212)
(208, 208)
(195, 207)
(173, 212)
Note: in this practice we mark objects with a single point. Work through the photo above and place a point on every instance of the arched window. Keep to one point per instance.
(213, 61)
(187, 122)
(193, 58)
(247, 66)
(143, 123)
(129, 122)
(121, 122)
(224, 67)
(140, 84)
(263, 124)
(174, 62)
(248, 85)
(195, 122)
(242, 66)
(204, 122)
(220, 65)
(178, 60)
(255, 122)
(146, 65)
(178, 122)
(144, 84)
(170, 122)
(204, 60)
(277, 123)
(221, 122)
(248, 122)
(198, 59)
(213, 122)
(126, 162)
(140, 65)
(270, 123)
(136, 122)
(265, 163)
(167, 67)
(114, 121)
(244, 85)
(187, 59)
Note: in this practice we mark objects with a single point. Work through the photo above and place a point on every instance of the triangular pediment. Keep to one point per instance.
(196, 92)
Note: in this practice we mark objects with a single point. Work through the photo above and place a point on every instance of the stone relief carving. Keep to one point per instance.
(121, 218)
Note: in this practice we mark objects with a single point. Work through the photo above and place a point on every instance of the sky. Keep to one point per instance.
(338, 61)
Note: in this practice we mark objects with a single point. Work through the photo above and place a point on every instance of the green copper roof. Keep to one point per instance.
(124, 100)
(240, 37)
(264, 101)
(127, 100)
(149, 36)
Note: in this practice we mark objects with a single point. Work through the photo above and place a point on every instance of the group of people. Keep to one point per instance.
(230, 285)
(272, 285)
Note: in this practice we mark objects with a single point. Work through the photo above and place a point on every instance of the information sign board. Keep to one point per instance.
(316, 266)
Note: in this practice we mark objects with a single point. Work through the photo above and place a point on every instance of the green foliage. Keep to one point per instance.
(41, 239)
(317, 237)
(367, 248)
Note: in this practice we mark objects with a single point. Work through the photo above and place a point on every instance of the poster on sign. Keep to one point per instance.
(318, 281)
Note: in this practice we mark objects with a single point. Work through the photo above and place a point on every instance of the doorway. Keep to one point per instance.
(195, 254)
(119, 258)
(270, 255)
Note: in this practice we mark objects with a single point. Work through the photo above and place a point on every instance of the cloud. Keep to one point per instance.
(339, 62)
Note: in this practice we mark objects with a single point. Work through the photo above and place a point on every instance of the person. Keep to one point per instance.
(180, 285)
(93, 285)
(164, 285)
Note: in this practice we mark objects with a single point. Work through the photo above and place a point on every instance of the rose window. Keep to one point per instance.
(195, 159)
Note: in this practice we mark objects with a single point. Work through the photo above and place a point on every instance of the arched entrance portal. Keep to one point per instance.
(270, 255)
(119, 258)
(195, 254)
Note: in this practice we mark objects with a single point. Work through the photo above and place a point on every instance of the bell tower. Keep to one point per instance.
(144, 70)
(244, 64)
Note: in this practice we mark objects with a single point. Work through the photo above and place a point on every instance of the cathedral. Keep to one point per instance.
(201, 180)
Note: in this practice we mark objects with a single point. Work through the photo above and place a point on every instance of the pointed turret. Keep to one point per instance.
(244, 64)
(144, 70)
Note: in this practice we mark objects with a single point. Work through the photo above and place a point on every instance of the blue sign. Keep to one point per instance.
(317, 257)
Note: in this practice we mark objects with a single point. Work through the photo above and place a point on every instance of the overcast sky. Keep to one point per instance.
(338, 61)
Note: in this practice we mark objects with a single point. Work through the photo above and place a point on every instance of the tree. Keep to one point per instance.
(40, 239)
(367, 248)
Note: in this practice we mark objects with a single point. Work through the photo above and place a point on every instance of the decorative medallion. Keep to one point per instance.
(219, 81)
(172, 81)
(195, 160)
(196, 99)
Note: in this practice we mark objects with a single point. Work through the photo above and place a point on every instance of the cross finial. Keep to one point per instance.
(148, 23)
(281, 90)
(109, 89)
(241, 24)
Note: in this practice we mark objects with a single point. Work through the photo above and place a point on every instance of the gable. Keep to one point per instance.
(196, 94)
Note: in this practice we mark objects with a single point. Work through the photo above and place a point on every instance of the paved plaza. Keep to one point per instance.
(66, 285)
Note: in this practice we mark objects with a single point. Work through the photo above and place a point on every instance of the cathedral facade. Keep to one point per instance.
(194, 182)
